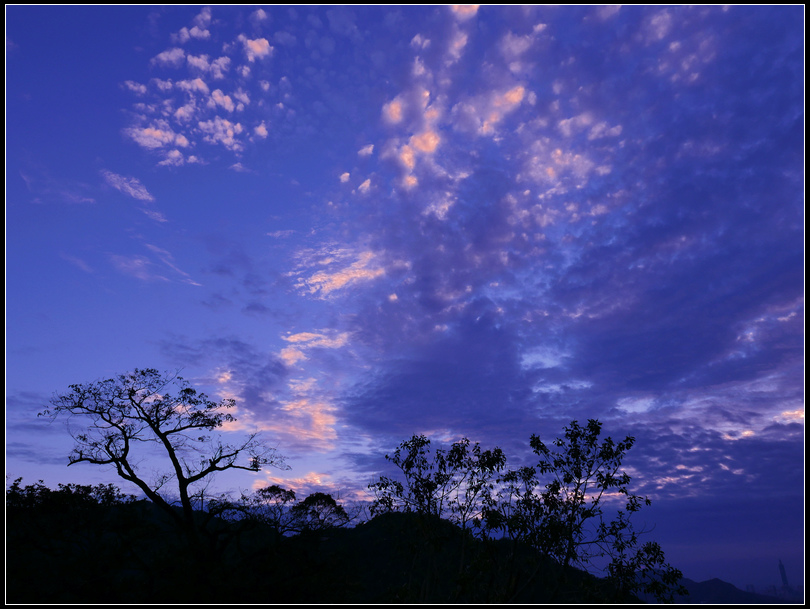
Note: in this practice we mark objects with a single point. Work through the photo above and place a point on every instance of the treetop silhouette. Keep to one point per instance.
(125, 413)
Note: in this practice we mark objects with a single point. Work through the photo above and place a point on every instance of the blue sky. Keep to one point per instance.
(365, 223)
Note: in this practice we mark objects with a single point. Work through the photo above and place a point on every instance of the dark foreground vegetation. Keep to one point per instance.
(452, 525)
(83, 544)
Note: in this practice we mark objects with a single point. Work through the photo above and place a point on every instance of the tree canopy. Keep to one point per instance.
(121, 416)
(571, 506)
(558, 506)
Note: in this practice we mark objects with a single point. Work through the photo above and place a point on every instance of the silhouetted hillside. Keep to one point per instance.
(716, 591)
(130, 553)
(401, 557)
(70, 546)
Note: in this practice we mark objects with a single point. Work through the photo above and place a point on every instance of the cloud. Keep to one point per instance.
(222, 131)
(187, 112)
(456, 46)
(200, 62)
(255, 49)
(196, 85)
(168, 260)
(135, 87)
(392, 111)
(77, 262)
(198, 31)
(129, 186)
(571, 126)
(483, 113)
(219, 67)
(172, 158)
(341, 273)
(304, 341)
(136, 266)
(261, 130)
(218, 98)
(158, 135)
(464, 11)
(658, 25)
(154, 215)
(173, 58)
(601, 130)
(366, 150)
(513, 45)
(426, 142)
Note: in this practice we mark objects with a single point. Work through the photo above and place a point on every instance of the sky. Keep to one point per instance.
(364, 223)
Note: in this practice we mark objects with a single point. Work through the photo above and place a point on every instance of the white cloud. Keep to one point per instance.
(261, 130)
(136, 266)
(135, 87)
(199, 62)
(303, 341)
(197, 85)
(219, 67)
(185, 113)
(77, 262)
(570, 126)
(285, 38)
(318, 339)
(203, 18)
(154, 215)
(129, 186)
(255, 49)
(163, 85)
(223, 131)
(366, 150)
(172, 58)
(392, 111)
(174, 158)
(418, 42)
(513, 46)
(199, 33)
(241, 96)
(365, 186)
(426, 142)
(457, 44)
(483, 113)
(218, 98)
(340, 272)
(601, 130)
(658, 26)
(464, 11)
(344, 177)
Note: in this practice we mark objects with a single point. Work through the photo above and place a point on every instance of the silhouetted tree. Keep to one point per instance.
(271, 506)
(319, 511)
(129, 412)
(448, 483)
(558, 507)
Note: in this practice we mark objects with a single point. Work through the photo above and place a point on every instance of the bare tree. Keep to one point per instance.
(126, 413)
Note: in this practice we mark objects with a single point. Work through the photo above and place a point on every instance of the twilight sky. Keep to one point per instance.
(365, 223)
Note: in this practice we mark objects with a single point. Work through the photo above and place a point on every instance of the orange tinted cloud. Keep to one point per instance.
(392, 111)
(464, 11)
(426, 141)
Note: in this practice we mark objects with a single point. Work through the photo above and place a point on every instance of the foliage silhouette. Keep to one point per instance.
(557, 507)
(451, 483)
(319, 512)
(458, 526)
(132, 410)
